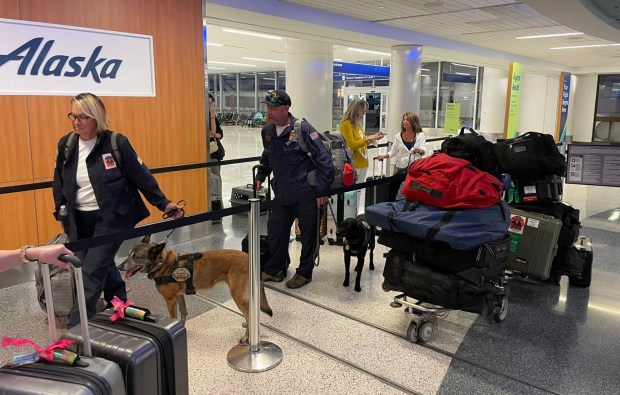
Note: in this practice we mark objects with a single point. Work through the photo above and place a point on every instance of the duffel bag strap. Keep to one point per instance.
(432, 232)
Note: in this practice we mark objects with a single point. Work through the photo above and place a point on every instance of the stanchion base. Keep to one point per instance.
(268, 356)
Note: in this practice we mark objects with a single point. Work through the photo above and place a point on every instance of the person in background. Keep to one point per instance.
(409, 145)
(47, 254)
(216, 133)
(353, 133)
(291, 167)
(94, 195)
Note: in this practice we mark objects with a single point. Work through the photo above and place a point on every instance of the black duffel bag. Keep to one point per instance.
(569, 232)
(424, 284)
(530, 155)
(473, 148)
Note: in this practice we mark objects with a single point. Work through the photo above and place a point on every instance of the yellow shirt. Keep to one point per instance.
(356, 140)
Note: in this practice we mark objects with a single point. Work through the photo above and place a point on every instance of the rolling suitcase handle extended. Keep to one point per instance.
(254, 169)
(76, 264)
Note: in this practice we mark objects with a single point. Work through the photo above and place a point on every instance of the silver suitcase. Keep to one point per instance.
(99, 377)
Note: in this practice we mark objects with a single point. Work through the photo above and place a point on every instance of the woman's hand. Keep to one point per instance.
(178, 210)
(417, 150)
(382, 156)
(49, 254)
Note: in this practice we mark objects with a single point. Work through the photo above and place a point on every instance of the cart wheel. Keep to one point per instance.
(426, 331)
(412, 332)
(500, 312)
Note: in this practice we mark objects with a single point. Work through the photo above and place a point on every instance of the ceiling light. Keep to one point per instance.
(581, 46)
(423, 69)
(264, 60)
(215, 45)
(465, 65)
(368, 51)
(548, 35)
(232, 63)
(252, 34)
(216, 68)
(337, 60)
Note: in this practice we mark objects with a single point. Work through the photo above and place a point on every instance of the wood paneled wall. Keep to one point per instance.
(165, 130)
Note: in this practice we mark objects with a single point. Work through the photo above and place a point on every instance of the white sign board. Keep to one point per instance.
(45, 59)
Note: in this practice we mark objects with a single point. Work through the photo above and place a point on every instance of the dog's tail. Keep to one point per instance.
(264, 306)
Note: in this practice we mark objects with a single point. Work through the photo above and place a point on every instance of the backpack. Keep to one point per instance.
(113, 140)
(473, 148)
(341, 154)
(446, 182)
(531, 155)
(63, 285)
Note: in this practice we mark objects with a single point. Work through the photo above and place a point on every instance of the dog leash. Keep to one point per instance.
(165, 240)
(317, 248)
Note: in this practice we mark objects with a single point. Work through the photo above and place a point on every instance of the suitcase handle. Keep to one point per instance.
(49, 302)
(254, 171)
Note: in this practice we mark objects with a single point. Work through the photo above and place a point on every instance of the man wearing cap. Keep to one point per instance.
(291, 165)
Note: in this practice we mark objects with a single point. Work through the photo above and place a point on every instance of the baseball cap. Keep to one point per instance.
(277, 97)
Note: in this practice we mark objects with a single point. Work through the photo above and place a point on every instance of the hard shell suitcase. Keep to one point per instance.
(378, 193)
(584, 248)
(534, 243)
(152, 355)
(99, 377)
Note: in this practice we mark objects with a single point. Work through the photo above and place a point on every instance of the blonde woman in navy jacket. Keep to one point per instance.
(100, 196)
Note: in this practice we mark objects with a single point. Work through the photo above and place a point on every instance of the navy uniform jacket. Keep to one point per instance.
(116, 188)
(290, 164)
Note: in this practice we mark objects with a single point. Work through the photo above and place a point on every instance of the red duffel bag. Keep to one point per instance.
(450, 183)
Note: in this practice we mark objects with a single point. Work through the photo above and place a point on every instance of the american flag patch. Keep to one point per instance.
(314, 135)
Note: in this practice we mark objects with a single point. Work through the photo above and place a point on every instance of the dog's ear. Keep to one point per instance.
(155, 251)
(146, 239)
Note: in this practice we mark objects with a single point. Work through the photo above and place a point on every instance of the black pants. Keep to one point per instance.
(99, 270)
(279, 230)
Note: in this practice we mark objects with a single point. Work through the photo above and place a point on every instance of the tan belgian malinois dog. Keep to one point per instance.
(209, 268)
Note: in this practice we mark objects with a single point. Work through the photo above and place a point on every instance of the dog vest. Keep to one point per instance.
(182, 274)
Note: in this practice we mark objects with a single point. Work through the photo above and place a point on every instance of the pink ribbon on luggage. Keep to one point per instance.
(119, 307)
(46, 354)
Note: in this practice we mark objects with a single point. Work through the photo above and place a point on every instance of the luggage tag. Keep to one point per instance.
(55, 352)
(128, 309)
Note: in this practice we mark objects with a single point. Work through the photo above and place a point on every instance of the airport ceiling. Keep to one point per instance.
(468, 31)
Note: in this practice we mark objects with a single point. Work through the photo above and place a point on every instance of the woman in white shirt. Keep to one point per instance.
(409, 145)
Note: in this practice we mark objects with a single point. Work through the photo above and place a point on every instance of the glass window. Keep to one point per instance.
(281, 79)
(428, 94)
(607, 114)
(247, 94)
(229, 89)
(338, 102)
(458, 85)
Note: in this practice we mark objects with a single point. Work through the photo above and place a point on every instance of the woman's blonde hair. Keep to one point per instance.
(414, 120)
(92, 106)
(355, 112)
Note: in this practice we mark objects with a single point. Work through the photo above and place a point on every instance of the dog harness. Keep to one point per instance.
(182, 274)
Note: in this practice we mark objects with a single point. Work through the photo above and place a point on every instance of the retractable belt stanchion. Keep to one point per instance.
(256, 356)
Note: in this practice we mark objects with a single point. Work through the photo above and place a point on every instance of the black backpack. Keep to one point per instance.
(530, 155)
(473, 148)
(113, 141)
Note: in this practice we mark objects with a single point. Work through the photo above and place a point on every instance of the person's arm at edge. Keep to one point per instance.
(48, 254)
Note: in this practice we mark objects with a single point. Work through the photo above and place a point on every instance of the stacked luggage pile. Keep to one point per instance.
(447, 231)
(545, 231)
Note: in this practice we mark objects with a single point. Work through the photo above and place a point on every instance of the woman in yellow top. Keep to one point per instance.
(353, 133)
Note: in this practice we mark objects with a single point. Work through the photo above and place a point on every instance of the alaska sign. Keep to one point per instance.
(45, 59)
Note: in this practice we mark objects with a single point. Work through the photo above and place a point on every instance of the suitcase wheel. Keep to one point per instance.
(500, 312)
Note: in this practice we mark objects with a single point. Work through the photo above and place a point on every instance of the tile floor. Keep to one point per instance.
(555, 339)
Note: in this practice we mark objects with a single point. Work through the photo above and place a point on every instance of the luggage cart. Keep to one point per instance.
(425, 316)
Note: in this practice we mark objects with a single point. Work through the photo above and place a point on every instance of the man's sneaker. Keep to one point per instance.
(297, 281)
(278, 278)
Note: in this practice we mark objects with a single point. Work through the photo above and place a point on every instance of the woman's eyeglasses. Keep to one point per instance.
(81, 118)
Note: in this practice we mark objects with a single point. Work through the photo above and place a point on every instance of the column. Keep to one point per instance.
(309, 81)
(405, 75)
(493, 102)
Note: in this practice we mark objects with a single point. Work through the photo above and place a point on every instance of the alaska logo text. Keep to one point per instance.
(61, 65)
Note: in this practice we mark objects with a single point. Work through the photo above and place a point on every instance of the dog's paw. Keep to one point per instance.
(372, 266)
(358, 288)
(345, 283)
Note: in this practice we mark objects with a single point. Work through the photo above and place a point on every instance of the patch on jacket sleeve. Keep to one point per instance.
(314, 135)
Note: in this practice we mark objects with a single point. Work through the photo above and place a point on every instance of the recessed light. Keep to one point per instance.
(581, 46)
(548, 35)
(231, 63)
(368, 51)
(215, 45)
(265, 60)
(252, 34)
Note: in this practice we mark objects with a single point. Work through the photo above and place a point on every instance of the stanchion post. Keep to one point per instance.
(256, 356)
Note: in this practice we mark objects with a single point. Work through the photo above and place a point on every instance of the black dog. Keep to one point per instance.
(359, 237)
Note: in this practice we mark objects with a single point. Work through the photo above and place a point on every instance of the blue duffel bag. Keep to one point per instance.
(461, 229)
